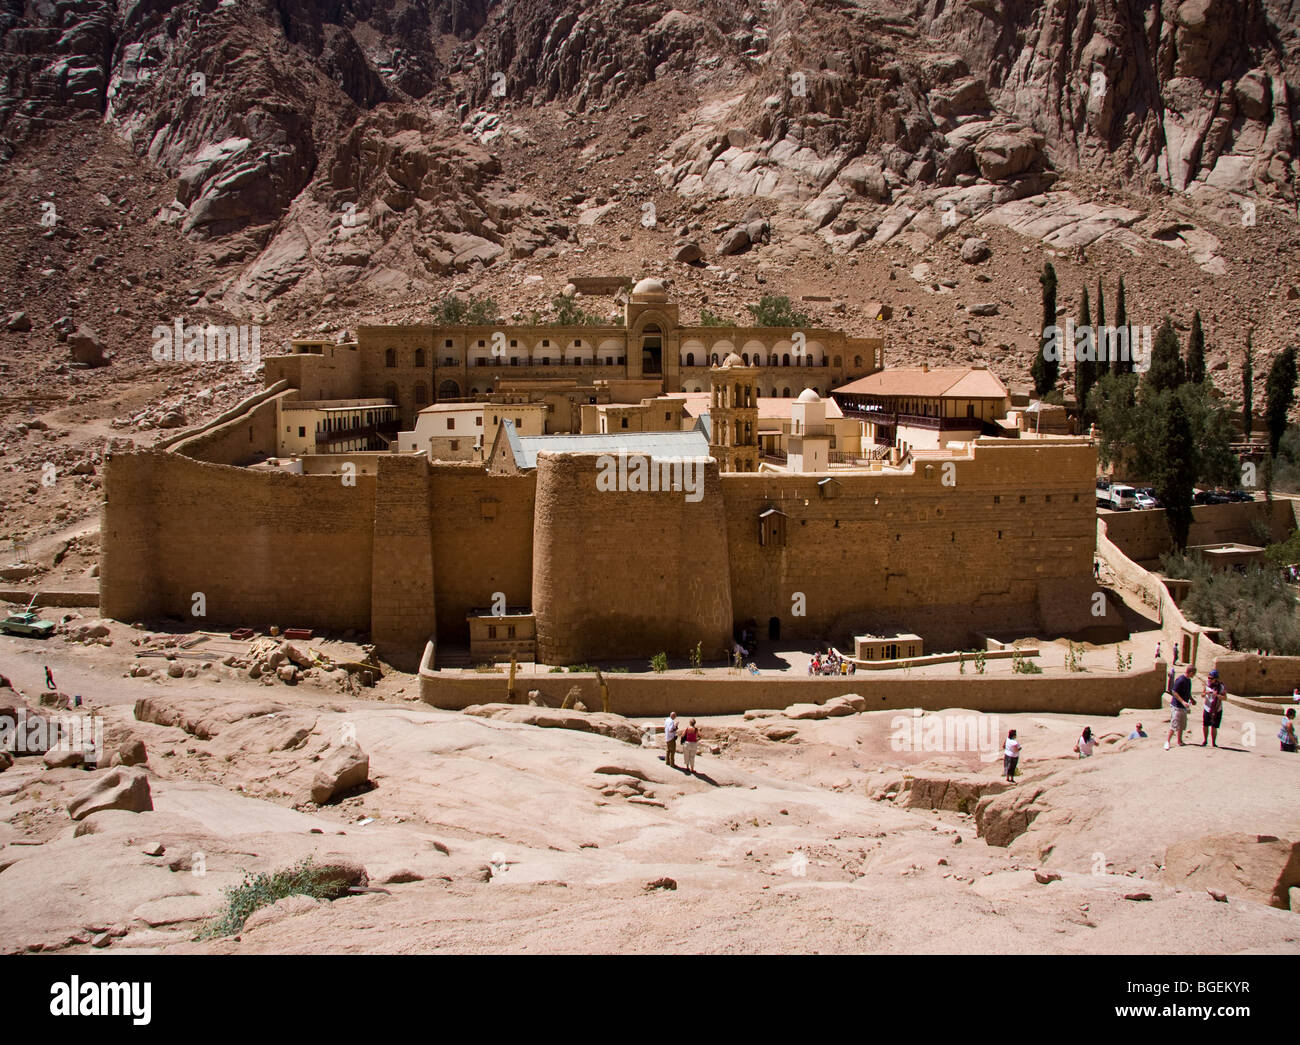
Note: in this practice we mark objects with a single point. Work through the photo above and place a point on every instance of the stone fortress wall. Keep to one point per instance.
(408, 552)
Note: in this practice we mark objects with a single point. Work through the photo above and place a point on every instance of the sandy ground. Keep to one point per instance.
(490, 835)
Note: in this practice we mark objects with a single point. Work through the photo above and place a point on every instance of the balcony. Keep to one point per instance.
(385, 431)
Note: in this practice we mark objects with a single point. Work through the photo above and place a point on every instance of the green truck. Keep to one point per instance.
(27, 624)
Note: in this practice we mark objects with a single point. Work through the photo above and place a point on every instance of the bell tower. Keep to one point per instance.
(733, 416)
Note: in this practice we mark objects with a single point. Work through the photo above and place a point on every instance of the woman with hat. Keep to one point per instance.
(1212, 713)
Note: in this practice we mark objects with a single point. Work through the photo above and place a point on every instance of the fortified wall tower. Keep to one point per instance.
(617, 573)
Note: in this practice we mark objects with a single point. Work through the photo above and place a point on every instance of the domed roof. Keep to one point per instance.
(808, 395)
(733, 360)
(650, 291)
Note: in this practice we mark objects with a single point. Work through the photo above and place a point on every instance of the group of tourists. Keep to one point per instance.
(1181, 702)
(831, 663)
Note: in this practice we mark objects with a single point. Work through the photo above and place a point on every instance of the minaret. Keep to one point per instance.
(733, 414)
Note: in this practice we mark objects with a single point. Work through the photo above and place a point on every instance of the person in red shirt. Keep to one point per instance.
(690, 745)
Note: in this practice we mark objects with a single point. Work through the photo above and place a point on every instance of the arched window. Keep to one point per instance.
(785, 393)
(745, 358)
(390, 357)
(690, 358)
(857, 362)
(837, 361)
(713, 360)
(421, 394)
(419, 357)
(785, 359)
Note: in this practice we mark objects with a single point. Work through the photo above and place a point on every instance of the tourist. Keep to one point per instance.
(1212, 712)
(1138, 734)
(49, 679)
(1011, 756)
(853, 667)
(1180, 699)
(1287, 733)
(690, 744)
(1086, 743)
(670, 738)
(1158, 651)
(1295, 694)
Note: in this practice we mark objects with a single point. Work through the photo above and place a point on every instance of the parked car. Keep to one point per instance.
(1240, 495)
(1143, 500)
(1209, 497)
(1150, 492)
(28, 625)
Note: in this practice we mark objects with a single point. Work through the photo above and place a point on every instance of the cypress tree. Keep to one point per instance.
(1084, 369)
(1166, 372)
(1174, 472)
(1196, 351)
(1248, 388)
(1046, 371)
(1119, 366)
(1279, 396)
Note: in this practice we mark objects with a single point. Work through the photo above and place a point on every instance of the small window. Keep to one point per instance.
(492, 631)
(451, 424)
(455, 445)
(546, 360)
(419, 357)
(519, 422)
(447, 343)
(1048, 499)
(609, 360)
(623, 422)
(390, 357)
(478, 421)
(510, 631)
(997, 498)
(668, 415)
(1022, 498)
(302, 432)
(1076, 498)
(578, 343)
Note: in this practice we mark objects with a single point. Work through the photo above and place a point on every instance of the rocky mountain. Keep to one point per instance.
(307, 165)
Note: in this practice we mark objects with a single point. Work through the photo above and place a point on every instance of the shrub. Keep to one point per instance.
(568, 313)
(261, 890)
(712, 319)
(473, 311)
(776, 311)
(659, 662)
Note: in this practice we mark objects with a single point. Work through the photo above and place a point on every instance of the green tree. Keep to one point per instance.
(1248, 388)
(1085, 370)
(1120, 366)
(712, 319)
(1196, 351)
(774, 311)
(568, 313)
(1279, 396)
(1045, 371)
(1173, 469)
(474, 311)
(1166, 371)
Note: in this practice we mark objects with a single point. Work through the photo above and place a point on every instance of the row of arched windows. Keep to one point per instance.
(390, 360)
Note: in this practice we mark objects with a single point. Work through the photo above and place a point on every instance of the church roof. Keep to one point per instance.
(525, 448)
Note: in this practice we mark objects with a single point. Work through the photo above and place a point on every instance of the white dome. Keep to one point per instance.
(650, 290)
(808, 396)
(733, 360)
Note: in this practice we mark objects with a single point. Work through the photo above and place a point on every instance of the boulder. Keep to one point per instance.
(121, 788)
(130, 753)
(735, 241)
(1253, 867)
(974, 250)
(339, 772)
(86, 347)
(984, 308)
(688, 253)
(19, 323)
(806, 711)
(1004, 154)
(63, 757)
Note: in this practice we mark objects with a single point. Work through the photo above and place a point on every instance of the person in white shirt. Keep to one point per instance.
(1085, 744)
(1011, 756)
(670, 738)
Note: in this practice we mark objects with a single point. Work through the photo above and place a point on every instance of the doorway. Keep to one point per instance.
(652, 350)
(774, 628)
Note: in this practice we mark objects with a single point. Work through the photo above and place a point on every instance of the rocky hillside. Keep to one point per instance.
(307, 165)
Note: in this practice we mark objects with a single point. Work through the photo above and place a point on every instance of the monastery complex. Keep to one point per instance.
(448, 491)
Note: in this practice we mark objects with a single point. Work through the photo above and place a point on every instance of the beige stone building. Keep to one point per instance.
(925, 408)
(416, 366)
